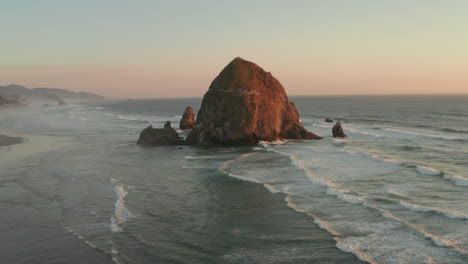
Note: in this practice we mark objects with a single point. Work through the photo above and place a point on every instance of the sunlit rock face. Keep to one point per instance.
(188, 119)
(245, 104)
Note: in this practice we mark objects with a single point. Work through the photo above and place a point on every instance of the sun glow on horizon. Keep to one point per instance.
(160, 49)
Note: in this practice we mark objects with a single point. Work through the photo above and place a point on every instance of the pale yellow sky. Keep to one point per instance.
(144, 49)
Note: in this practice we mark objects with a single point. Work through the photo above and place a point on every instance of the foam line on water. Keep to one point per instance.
(457, 180)
(341, 245)
(295, 161)
(353, 130)
(439, 241)
(320, 222)
(425, 209)
(199, 157)
(121, 213)
(271, 188)
(348, 248)
(371, 156)
(334, 190)
(427, 170)
(425, 135)
(226, 165)
(345, 195)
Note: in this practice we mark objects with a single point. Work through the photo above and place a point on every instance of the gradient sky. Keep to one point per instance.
(176, 48)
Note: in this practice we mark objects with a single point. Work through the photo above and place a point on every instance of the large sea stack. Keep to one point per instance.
(245, 104)
(188, 119)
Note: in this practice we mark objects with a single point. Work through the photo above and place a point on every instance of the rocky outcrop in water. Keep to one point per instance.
(188, 119)
(327, 120)
(337, 130)
(159, 136)
(245, 104)
(61, 102)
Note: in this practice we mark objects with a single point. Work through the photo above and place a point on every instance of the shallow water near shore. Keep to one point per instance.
(395, 191)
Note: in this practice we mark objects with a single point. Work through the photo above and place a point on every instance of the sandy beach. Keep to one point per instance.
(17, 147)
(7, 140)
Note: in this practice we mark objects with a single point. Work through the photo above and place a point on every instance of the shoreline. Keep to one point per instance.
(9, 140)
(33, 231)
(16, 147)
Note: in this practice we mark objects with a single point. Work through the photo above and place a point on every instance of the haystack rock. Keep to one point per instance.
(188, 119)
(245, 104)
(159, 136)
(337, 130)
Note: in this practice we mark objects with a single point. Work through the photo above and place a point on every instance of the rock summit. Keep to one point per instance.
(245, 104)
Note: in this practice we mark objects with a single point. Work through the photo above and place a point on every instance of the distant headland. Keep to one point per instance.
(17, 95)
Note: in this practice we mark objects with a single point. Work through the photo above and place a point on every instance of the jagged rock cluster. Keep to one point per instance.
(159, 136)
(243, 105)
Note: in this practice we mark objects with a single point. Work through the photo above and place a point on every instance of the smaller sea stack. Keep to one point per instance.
(188, 119)
(61, 102)
(327, 120)
(159, 136)
(337, 131)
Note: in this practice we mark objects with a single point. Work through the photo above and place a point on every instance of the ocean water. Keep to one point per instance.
(394, 191)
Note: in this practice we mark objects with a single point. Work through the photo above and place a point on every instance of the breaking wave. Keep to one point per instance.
(121, 213)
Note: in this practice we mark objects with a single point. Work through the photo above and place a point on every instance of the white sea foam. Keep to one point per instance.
(74, 114)
(298, 163)
(427, 170)
(320, 222)
(264, 144)
(353, 130)
(121, 213)
(322, 126)
(345, 195)
(199, 157)
(457, 180)
(348, 248)
(371, 156)
(439, 241)
(446, 212)
(339, 141)
(424, 134)
(271, 188)
(225, 166)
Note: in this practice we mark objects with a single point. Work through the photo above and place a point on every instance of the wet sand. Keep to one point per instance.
(7, 140)
(29, 230)
(16, 148)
